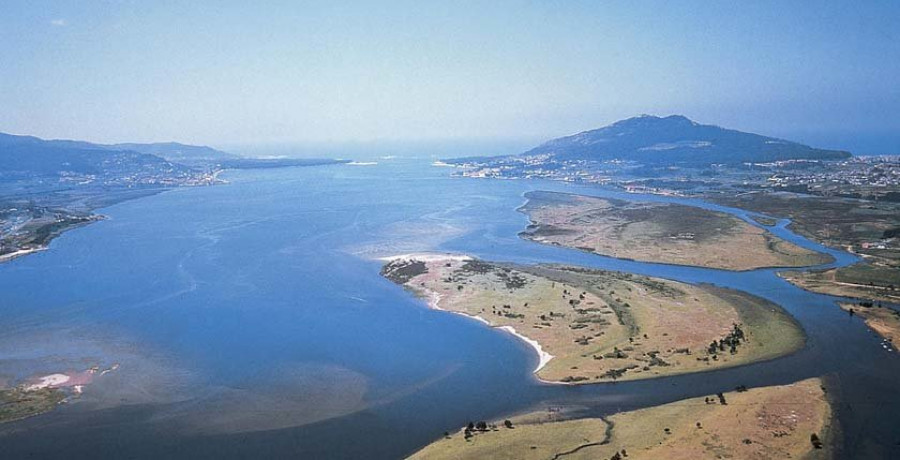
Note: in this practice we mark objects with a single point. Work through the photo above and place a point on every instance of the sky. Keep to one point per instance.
(278, 73)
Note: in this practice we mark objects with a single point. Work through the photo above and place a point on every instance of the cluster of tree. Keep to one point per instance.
(481, 427)
(616, 353)
(731, 341)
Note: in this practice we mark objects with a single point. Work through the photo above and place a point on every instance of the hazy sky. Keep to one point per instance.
(222, 72)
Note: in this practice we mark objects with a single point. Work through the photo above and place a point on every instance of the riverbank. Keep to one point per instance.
(786, 421)
(589, 326)
(883, 320)
(860, 281)
(865, 228)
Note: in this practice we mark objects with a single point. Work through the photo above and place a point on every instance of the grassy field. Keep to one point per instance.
(768, 422)
(658, 232)
(833, 221)
(604, 326)
(867, 228)
(861, 281)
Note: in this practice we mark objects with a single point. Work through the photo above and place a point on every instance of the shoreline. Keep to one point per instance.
(425, 257)
(434, 298)
(20, 253)
(543, 356)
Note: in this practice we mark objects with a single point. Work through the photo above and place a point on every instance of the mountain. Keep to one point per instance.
(192, 155)
(23, 157)
(29, 157)
(676, 140)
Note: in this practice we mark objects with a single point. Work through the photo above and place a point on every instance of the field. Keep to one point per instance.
(769, 422)
(861, 281)
(657, 232)
(867, 228)
(604, 326)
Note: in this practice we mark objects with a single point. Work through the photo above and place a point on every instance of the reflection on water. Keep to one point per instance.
(250, 319)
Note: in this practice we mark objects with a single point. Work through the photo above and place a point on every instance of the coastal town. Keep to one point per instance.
(866, 177)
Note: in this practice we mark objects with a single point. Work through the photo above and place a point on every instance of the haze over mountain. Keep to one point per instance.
(676, 139)
(180, 153)
(28, 155)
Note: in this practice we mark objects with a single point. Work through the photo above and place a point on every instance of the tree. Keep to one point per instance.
(507, 424)
(816, 442)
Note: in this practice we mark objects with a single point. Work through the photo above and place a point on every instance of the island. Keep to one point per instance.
(786, 421)
(18, 403)
(658, 232)
(591, 325)
(44, 393)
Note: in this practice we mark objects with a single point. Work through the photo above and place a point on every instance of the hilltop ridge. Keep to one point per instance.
(677, 140)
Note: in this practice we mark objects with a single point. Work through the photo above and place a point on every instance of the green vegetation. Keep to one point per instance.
(658, 232)
(788, 421)
(401, 271)
(16, 403)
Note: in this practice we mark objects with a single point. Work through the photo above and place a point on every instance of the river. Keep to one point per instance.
(249, 320)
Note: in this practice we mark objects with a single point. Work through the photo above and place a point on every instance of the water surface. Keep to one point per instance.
(249, 319)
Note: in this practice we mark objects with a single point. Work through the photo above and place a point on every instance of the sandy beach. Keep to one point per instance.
(19, 253)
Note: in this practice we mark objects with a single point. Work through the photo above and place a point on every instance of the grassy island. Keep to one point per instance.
(658, 232)
(788, 421)
(592, 326)
(18, 403)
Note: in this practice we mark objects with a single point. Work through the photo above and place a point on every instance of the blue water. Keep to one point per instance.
(249, 320)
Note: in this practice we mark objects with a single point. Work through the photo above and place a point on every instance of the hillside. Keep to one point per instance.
(675, 140)
(181, 153)
(27, 156)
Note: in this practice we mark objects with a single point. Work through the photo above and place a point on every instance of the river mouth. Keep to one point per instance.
(267, 290)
